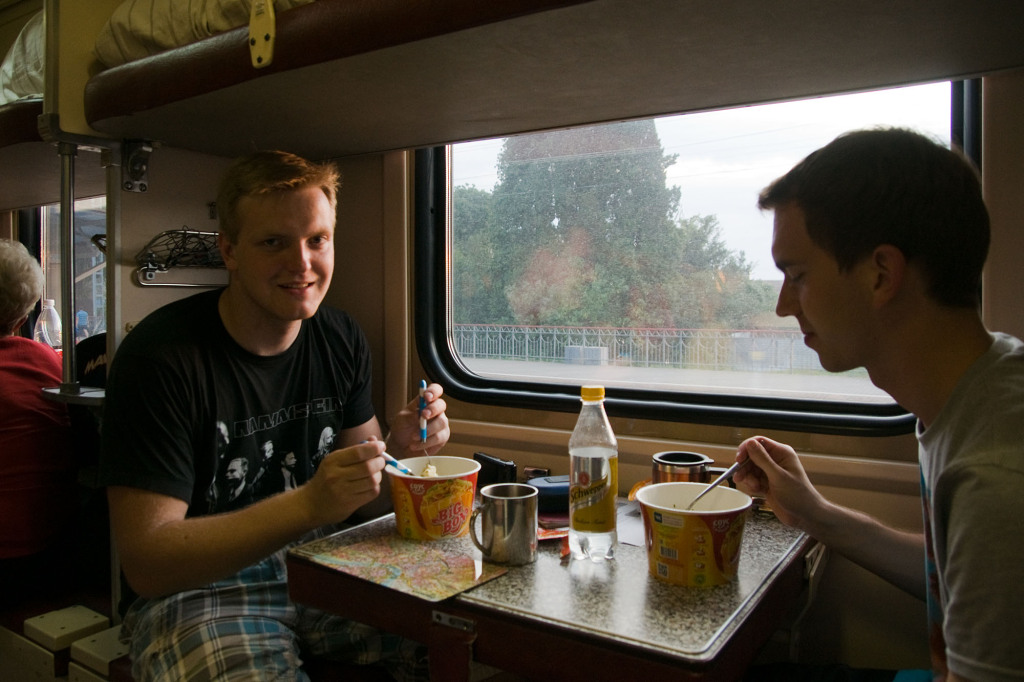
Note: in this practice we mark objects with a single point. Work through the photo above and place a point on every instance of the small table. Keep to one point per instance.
(566, 620)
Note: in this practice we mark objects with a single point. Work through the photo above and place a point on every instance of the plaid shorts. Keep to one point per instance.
(245, 628)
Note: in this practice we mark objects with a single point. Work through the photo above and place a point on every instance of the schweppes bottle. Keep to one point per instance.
(593, 480)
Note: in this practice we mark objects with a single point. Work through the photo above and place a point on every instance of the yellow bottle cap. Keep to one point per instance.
(592, 392)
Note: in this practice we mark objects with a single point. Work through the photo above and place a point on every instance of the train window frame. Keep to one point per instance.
(433, 321)
(39, 228)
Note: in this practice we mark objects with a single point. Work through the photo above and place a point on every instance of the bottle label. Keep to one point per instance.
(592, 501)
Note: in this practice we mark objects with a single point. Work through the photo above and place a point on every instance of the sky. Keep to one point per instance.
(726, 158)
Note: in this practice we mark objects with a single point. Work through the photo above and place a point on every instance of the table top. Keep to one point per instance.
(616, 601)
(620, 600)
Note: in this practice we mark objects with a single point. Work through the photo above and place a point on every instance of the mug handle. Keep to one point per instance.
(472, 528)
(715, 472)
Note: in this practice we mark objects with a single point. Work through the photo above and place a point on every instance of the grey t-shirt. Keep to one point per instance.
(972, 471)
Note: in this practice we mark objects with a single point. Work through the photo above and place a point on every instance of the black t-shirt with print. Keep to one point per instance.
(191, 414)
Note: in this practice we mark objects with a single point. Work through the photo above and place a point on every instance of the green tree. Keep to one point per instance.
(582, 230)
(713, 287)
(478, 294)
(582, 216)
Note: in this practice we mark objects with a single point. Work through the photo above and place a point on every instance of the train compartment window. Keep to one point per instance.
(633, 254)
(90, 265)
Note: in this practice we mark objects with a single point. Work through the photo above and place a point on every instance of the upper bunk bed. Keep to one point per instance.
(356, 76)
(141, 98)
(30, 164)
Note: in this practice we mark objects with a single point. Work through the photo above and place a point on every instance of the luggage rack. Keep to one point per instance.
(182, 248)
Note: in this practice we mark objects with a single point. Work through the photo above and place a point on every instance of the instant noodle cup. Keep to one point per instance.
(697, 547)
(434, 507)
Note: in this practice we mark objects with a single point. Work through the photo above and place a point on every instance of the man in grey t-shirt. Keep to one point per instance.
(881, 237)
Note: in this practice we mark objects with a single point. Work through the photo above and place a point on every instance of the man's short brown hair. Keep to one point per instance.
(267, 172)
(894, 186)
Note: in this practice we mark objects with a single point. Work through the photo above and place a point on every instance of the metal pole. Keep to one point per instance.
(68, 152)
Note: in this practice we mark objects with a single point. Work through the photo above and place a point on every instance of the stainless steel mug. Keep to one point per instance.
(667, 467)
(508, 520)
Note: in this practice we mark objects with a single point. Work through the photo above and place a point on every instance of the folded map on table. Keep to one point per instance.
(429, 570)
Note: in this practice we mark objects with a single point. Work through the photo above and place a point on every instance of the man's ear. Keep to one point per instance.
(889, 271)
(227, 250)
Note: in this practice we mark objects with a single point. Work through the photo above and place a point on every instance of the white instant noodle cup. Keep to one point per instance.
(434, 507)
(698, 547)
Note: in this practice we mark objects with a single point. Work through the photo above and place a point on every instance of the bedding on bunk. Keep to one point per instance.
(21, 73)
(182, 96)
(140, 28)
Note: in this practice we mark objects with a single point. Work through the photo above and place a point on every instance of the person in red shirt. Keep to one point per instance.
(37, 465)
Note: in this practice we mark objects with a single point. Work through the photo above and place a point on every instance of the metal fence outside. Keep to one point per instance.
(717, 349)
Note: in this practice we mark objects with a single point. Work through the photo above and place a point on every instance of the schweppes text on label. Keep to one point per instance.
(582, 495)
